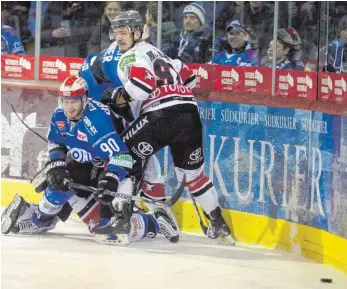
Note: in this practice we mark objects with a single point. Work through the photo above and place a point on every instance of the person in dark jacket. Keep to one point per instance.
(168, 28)
(194, 42)
(102, 37)
(67, 26)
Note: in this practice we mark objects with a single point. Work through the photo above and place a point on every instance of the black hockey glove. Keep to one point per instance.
(107, 187)
(111, 97)
(56, 173)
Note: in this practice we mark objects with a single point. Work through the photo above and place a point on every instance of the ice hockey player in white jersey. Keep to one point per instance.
(168, 116)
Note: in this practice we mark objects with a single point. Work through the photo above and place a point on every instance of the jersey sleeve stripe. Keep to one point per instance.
(190, 79)
(141, 85)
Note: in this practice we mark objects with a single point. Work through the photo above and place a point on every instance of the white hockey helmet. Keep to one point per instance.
(73, 87)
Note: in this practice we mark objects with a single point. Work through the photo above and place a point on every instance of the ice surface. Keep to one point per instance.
(69, 258)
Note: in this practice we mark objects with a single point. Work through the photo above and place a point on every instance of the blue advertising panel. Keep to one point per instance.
(286, 164)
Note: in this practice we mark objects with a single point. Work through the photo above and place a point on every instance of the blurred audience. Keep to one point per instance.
(168, 28)
(194, 42)
(259, 16)
(240, 48)
(230, 12)
(67, 26)
(10, 42)
(103, 35)
(288, 50)
(337, 53)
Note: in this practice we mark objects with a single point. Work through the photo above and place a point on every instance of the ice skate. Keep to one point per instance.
(218, 228)
(167, 226)
(11, 213)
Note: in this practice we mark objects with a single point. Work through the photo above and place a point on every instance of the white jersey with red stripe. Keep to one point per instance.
(150, 76)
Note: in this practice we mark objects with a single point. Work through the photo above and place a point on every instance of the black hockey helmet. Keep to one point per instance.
(131, 18)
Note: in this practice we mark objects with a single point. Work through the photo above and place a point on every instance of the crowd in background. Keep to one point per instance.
(311, 36)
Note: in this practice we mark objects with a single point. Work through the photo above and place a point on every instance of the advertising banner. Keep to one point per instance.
(17, 66)
(241, 79)
(296, 84)
(333, 87)
(58, 68)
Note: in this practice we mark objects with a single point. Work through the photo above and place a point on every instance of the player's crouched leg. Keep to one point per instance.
(20, 217)
(141, 226)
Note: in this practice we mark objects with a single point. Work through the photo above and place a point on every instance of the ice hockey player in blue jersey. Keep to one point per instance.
(10, 43)
(84, 131)
(288, 50)
(240, 47)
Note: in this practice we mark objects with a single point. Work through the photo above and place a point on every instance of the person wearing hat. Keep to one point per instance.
(240, 48)
(194, 42)
(288, 50)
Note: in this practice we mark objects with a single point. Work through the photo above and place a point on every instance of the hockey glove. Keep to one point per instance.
(107, 187)
(56, 173)
(116, 98)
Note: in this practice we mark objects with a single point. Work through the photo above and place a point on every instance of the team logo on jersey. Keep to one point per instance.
(148, 75)
(82, 136)
(145, 148)
(60, 124)
(80, 155)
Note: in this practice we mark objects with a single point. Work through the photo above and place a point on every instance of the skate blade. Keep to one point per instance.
(10, 215)
(120, 239)
(228, 240)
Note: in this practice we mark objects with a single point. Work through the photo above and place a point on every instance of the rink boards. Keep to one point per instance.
(281, 174)
(312, 243)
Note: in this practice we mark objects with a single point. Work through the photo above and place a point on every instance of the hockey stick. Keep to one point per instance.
(34, 132)
(168, 203)
(196, 209)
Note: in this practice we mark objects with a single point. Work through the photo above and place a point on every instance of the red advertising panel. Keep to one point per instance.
(58, 68)
(204, 75)
(296, 84)
(332, 87)
(250, 80)
(17, 66)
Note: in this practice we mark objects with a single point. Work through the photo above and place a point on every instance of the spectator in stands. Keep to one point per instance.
(194, 42)
(241, 47)
(102, 36)
(20, 14)
(309, 41)
(67, 26)
(259, 16)
(168, 27)
(10, 42)
(288, 50)
(337, 53)
(231, 11)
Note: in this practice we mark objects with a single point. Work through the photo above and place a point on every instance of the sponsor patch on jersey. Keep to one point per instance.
(60, 124)
(82, 136)
(122, 160)
(126, 60)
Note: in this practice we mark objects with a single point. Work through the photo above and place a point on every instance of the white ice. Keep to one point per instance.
(69, 258)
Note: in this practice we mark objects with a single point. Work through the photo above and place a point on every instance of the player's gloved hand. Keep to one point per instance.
(56, 173)
(108, 96)
(116, 98)
(107, 187)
